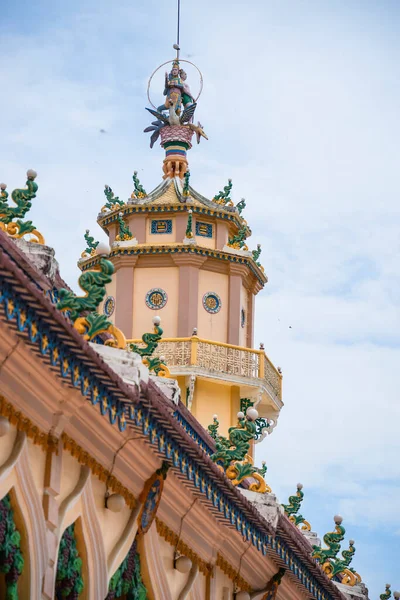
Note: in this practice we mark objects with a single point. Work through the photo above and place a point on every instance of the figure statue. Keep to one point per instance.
(187, 97)
(173, 89)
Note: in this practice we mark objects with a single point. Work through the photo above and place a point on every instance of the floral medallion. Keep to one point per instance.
(212, 302)
(150, 498)
(109, 306)
(156, 298)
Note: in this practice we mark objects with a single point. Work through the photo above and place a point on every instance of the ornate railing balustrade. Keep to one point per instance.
(217, 357)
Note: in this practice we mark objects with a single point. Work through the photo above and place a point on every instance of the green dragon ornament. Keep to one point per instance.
(124, 233)
(186, 178)
(387, 593)
(339, 566)
(256, 255)
(113, 202)
(189, 230)
(11, 216)
(154, 363)
(332, 540)
(293, 508)
(238, 241)
(91, 324)
(91, 245)
(139, 191)
(223, 197)
(232, 453)
(240, 206)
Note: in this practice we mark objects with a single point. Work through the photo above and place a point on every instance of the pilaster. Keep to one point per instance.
(189, 265)
(236, 275)
(52, 487)
(124, 294)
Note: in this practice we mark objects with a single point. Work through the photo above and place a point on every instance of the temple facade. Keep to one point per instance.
(130, 414)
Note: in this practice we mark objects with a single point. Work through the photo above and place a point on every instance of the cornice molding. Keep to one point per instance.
(176, 250)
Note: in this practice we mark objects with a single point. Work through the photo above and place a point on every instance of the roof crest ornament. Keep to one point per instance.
(82, 309)
(139, 191)
(154, 363)
(223, 197)
(91, 245)
(232, 452)
(292, 509)
(11, 216)
(113, 202)
(332, 540)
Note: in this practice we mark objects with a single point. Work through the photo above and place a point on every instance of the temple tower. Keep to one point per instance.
(184, 258)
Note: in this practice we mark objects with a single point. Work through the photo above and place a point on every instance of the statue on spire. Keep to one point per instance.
(175, 127)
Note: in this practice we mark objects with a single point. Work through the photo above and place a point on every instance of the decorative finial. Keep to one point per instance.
(82, 310)
(113, 202)
(186, 192)
(124, 233)
(332, 540)
(240, 206)
(139, 191)
(256, 254)
(223, 197)
(261, 345)
(232, 453)
(91, 246)
(292, 509)
(194, 332)
(387, 593)
(189, 231)
(238, 241)
(11, 216)
(154, 363)
(174, 119)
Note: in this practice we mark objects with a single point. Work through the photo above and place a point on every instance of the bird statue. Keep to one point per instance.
(173, 119)
(198, 129)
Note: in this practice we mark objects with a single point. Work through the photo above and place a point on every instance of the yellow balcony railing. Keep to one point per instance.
(217, 357)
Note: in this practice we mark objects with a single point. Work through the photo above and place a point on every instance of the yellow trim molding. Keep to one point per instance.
(46, 440)
(232, 573)
(172, 538)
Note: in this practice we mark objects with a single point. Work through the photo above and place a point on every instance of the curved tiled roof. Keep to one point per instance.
(149, 411)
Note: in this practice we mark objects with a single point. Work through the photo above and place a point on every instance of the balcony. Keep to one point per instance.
(216, 360)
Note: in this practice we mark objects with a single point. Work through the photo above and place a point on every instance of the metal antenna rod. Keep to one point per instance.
(178, 29)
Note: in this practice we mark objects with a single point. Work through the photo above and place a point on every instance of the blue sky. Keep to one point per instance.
(300, 104)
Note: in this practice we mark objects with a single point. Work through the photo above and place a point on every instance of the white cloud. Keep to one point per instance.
(301, 107)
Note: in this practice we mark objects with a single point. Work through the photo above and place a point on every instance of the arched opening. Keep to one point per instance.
(71, 577)
(127, 582)
(14, 553)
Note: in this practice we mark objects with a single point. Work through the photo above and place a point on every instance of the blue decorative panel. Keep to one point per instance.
(161, 226)
(242, 317)
(156, 298)
(204, 229)
(109, 306)
(212, 302)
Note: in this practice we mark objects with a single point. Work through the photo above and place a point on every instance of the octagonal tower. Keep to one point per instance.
(184, 258)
